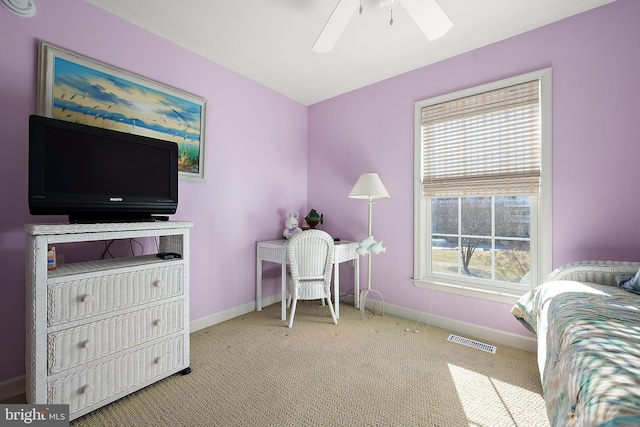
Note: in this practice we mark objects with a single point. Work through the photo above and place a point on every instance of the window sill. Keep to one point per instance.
(502, 296)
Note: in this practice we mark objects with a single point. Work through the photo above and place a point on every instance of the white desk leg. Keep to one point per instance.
(284, 290)
(258, 284)
(356, 282)
(336, 289)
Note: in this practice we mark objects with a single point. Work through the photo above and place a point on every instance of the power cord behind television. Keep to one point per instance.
(130, 248)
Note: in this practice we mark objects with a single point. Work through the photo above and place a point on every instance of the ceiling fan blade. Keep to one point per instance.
(336, 24)
(432, 20)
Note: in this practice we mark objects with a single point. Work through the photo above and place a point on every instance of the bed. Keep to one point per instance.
(588, 330)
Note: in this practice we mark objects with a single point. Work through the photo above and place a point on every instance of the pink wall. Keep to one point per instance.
(236, 206)
(595, 58)
(257, 168)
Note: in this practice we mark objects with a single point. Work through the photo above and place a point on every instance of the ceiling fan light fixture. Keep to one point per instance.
(374, 6)
(427, 14)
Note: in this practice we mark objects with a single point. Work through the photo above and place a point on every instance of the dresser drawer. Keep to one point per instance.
(72, 347)
(108, 381)
(86, 297)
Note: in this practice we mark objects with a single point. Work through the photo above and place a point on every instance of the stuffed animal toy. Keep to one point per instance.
(291, 225)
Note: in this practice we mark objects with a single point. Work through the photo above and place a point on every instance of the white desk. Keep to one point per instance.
(276, 251)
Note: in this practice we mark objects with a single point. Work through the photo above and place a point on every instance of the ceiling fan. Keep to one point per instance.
(432, 20)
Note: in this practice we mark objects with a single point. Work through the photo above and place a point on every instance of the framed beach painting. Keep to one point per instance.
(82, 90)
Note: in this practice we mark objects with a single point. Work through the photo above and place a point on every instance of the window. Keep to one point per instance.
(483, 189)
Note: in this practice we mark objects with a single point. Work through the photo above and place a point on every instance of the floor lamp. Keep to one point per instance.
(369, 187)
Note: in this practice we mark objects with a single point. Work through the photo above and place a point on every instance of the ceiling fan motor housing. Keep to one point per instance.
(427, 14)
(377, 5)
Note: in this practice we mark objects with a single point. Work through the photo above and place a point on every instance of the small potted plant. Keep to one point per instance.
(313, 219)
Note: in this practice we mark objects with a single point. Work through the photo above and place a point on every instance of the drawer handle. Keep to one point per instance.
(158, 322)
(87, 344)
(87, 298)
(158, 360)
(87, 388)
(158, 284)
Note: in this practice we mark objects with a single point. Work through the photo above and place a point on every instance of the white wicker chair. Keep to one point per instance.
(311, 263)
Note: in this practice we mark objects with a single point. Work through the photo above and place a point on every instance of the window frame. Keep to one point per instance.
(541, 212)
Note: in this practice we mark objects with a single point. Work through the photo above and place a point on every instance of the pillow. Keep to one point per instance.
(630, 283)
(526, 310)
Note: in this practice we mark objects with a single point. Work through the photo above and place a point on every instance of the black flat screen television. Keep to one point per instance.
(99, 175)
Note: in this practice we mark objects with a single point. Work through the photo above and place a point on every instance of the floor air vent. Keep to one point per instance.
(471, 343)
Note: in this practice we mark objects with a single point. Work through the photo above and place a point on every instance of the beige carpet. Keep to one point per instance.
(254, 371)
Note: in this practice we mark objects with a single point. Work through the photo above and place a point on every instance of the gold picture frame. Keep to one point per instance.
(78, 89)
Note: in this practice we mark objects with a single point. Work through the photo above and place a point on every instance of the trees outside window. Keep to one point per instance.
(483, 237)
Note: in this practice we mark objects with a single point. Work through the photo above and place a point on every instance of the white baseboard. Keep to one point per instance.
(205, 322)
(464, 328)
(469, 329)
(12, 387)
(15, 386)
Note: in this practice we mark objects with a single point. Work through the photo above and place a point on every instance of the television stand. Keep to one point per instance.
(99, 330)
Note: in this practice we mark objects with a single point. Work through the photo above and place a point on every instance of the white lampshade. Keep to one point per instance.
(369, 186)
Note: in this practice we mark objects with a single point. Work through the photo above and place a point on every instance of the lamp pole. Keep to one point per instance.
(370, 206)
(365, 292)
(369, 187)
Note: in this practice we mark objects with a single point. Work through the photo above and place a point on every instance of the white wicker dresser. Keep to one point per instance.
(99, 330)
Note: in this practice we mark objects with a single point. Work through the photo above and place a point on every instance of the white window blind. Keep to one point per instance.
(484, 144)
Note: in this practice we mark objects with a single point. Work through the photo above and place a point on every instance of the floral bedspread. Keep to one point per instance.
(588, 351)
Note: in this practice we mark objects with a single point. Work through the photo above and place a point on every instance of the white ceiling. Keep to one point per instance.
(270, 41)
